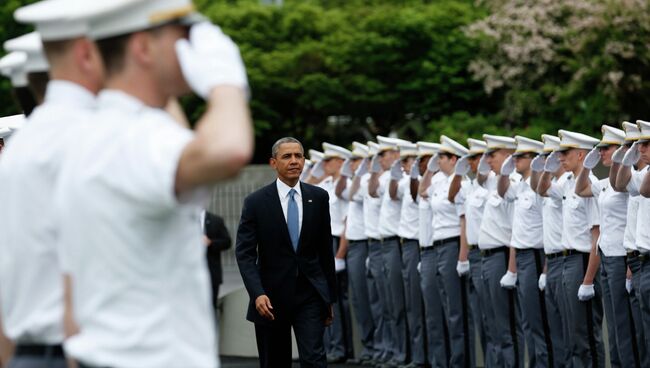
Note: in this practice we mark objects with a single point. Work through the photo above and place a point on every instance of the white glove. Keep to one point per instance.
(306, 170)
(537, 165)
(619, 154)
(628, 286)
(339, 264)
(375, 165)
(396, 171)
(318, 170)
(509, 280)
(367, 263)
(632, 155)
(586, 292)
(419, 267)
(541, 284)
(462, 267)
(432, 165)
(592, 159)
(552, 163)
(209, 59)
(363, 168)
(462, 166)
(415, 169)
(346, 168)
(483, 167)
(508, 166)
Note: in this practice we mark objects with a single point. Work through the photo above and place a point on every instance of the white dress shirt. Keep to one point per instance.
(552, 215)
(390, 211)
(496, 227)
(643, 215)
(337, 206)
(446, 220)
(472, 196)
(283, 193)
(355, 228)
(131, 246)
(408, 221)
(613, 217)
(527, 229)
(371, 208)
(31, 290)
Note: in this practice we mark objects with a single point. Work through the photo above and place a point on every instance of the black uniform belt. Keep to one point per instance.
(472, 246)
(454, 239)
(39, 350)
(489, 252)
(407, 240)
(390, 238)
(426, 248)
(570, 252)
(644, 257)
(555, 255)
(351, 242)
(633, 254)
(374, 240)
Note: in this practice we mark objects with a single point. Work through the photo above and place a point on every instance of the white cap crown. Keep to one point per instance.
(334, 151)
(570, 140)
(451, 146)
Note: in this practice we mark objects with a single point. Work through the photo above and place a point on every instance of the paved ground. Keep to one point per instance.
(231, 362)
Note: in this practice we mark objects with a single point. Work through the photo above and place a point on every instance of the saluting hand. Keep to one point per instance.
(264, 307)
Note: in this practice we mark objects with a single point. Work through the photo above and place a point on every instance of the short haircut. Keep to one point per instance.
(38, 84)
(113, 52)
(54, 50)
(281, 141)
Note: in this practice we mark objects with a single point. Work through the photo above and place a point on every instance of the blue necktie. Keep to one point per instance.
(292, 219)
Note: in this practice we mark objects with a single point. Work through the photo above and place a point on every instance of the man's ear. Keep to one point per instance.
(272, 162)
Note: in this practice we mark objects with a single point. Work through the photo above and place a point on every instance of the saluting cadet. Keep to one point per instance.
(471, 196)
(306, 170)
(611, 252)
(580, 230)
(338, 335)
(408, 233)
(131, 193)
(35, 70)
(446, 247)
(527, 241)
(316, 172)
(494, 239)
(12, 66)
(377, 281)
(434, 314)
(382, 187)
(357, 250)
(31, 286)
(550, 282)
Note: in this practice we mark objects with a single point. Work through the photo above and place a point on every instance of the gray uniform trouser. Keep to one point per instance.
(618, 312)
(359, 297)
(391, 252)
(437, 342)
(557, 310)
(338, 335)
(414, 314)
(584, 318)
(502, 312)
(530, 264)
(477, 297)
(634, 263)
(379, 299)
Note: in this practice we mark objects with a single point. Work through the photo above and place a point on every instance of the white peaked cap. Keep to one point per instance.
(387, 144)
(315, 156)
(359, 150)
(334, 151)
(551, 143)
(427, 148)
(476, 146)
(527, 145)
(12, 66)
(570, 140)
(56, 20)
(632, 132)
(451, 146)
(13, 122)
(4, 132)
(32, 46)
(497, 142)
(611, 136)
(373, 148)
(407, 149)
(644, 128)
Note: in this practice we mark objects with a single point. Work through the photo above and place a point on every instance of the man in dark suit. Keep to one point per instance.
(285, 258)
(217, 240)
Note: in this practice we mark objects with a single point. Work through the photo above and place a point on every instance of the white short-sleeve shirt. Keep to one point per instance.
(141, 290)
(643, 215)
(409, 218)
(527, 223)
(371, 207)
(338, 206)
(355, 227)
(579, 216)
(391, 209)
(473, 197)
(496, 227)
(31, 290)
(613, 216)
(552, 215)
(445, 221)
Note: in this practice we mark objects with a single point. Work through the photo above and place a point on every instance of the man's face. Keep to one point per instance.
(606, 154)
(473, 162)
(447, 163)
(522, 163)
(407, 162)
(332, 166)
(495, 159)
(644, 149)
(424, 161)
(387, 158)
(354, 163)
(571, 159)
(165, 61)
(289, 161)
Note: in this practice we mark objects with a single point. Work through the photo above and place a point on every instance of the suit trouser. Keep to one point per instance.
(359, 297)
(502, 314)
(338, 335)
(436, 325)
(618, 312)
(556, 310)
(477, 297)
(584, 318)
(633, 262)
(455, 303)
(390, 250)
(379, 299)
(530, 264)
(414, 314)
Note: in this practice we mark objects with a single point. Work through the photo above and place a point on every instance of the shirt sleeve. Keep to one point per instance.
(597, 187)
(511, 193)
(555, 191)
(592, 212)
(634, 186)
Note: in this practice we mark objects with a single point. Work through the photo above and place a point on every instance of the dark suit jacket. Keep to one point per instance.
(267, 261)
(220, 240)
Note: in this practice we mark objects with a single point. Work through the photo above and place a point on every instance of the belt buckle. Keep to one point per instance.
(565, 252)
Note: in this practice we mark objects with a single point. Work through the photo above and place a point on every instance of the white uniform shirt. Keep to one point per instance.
(390, 211)
(643, 215)
(527, 222)
(355, 228)
(338, 206)
(408, 222)
(613, 217)
(552, 214)
(371, 207)
(629, 239)
(31, 290)
(579, 215)
(283, 194)
(472, 197)
(446, 221)
(425, 216)
(134, 251)
(496, 227)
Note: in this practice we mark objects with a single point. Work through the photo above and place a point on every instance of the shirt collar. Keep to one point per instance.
(112, 98)
(61, 91)
(283, 189)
